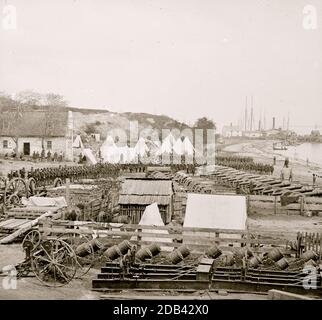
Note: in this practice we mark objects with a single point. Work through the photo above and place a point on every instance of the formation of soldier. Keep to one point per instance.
(48, 175)
(245, 164)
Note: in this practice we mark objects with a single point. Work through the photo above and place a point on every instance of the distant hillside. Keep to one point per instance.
(100, 121)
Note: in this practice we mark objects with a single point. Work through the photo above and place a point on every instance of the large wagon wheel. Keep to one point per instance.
(31, 186)
(54, 263)
(15, 189)
(31, 240)
(58, 182)
(83, 249)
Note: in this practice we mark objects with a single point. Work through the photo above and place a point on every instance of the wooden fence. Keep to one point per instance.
(309, 241)
(272, 205)
(197, 239)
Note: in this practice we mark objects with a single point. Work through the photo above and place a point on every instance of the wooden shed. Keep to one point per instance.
(136, 194)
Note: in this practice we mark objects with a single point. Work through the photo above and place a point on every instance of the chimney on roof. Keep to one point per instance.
(273, 123)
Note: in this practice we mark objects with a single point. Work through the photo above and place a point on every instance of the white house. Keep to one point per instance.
(33, 131)
(231, 131)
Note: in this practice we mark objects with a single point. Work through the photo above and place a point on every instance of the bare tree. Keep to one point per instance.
(29, 97)
(53, 99)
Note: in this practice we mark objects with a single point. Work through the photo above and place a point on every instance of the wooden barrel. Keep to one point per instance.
(228, 259)
(282, 263)
(213, 252)
(124, 246)
(275, 255)
(144, 254)
(184, 250)
(310, 263)
(175, 257)
(309, 255)
(83, 249)
(254, 261)
(96, 244)
(112, 253)
(155, 249)
(243, 252)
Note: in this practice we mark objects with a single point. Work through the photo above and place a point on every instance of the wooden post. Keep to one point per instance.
(275, 204)
(320, 255)
(248, 204)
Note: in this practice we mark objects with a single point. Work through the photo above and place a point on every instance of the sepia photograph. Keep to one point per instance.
(160, 150)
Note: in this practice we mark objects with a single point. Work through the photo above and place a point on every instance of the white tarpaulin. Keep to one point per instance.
(217, 212)
(44, 202)
(152, 217)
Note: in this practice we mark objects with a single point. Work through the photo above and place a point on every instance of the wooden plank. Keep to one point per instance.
(185, 238)
(172, 229)
(34, 209)
(15, 224)
(261, 198)
(313, 200)
(299, 206)
(4, 223)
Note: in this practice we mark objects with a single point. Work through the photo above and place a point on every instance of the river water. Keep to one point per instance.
(305, 151)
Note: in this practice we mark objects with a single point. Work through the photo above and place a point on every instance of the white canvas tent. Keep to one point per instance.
(152, 217)
(109, 142)
(217, 212)
(78, 142)
(109, 151)
(188, 147)
(89, 155)
(127, 154)
(178, 147)
(141, 148)
(167, 145)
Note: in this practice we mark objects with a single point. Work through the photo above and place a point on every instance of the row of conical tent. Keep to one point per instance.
(110, 152)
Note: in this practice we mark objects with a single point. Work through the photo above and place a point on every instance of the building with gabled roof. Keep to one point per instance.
(32, 131)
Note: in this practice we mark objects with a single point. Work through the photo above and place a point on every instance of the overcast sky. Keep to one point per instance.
(183, 58)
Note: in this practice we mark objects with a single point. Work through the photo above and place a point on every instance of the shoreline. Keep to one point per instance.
(262, 151)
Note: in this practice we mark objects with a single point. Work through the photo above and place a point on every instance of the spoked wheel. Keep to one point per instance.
(58, 182)
(54, 263)
(31, 240)
(31, 186)
(17, 187)
(12, 201)
(83, 249)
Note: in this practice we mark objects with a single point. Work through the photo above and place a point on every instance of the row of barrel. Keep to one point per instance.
(252, 260)
(146, 253)
(247, 183)
(272, 258)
